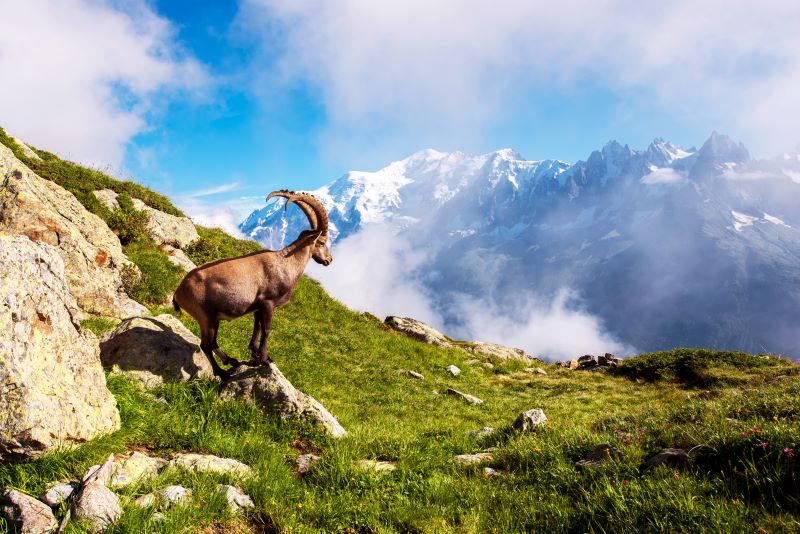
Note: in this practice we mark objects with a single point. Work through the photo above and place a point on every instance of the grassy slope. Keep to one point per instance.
(743, 480)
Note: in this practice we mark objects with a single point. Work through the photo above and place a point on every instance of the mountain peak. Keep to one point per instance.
(720, 148)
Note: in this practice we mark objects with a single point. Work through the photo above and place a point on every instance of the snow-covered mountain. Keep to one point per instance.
(666, 246)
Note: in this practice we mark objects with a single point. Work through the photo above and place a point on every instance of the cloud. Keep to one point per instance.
(747, 175)
(374, 270)
(224, 188)
(446, 70)
(84, 75)
(662, 176)
(225, 214)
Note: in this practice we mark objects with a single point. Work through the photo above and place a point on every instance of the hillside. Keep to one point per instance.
(736, 413)
(664, 246)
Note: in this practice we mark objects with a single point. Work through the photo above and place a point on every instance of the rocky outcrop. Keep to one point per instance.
(47, 213)
(498, 352)
(178, 257)
(135, 468)
(418, 330)
(153, 349)
(165, 229)
(26, 150)
(26, 515)
(267, 387)
(52, 387)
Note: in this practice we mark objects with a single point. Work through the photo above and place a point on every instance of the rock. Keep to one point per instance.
(540, 371)
(492, 472)
(470, 459)
(101, 473)
(453, 370)
(26, 515)
(487, 365)
(165, 229)
(47, 213)
(267, 387)
(58, 493)
(670, 458)
(165, 497)
(153, 349)
(379, 466)
(599, 456)
(480, 433)
(304, 464)
(208, 463)
(418, 330)
(529, 420)
(98, 505)
(135, 468)
(179, 258)
(586, 359)
(52, 388)
(467, 397)
(572, 364)
(235, 498)
(411, 374)
(497, 351)
(26, 150)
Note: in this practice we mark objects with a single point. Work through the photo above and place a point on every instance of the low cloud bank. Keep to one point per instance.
(374, 270)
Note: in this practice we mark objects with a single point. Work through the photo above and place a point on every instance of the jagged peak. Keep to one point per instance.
(721, 148)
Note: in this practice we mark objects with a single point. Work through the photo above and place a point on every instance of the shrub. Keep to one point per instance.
(215, 244)
(159, 276)
(127, 222)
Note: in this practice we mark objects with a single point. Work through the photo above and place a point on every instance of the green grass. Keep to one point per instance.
(348, 362)
(215, 244)
(159, 277)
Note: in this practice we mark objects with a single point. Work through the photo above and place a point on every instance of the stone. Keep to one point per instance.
(453, 370)
(151, 350)
(52, 388)
(26, 515)
(465, 396)
(497, 351)
(491, 472)
(92, 255)
(379, 466)
(178, 257)
(266, 386)
(487, 365)
(529, 420)
(586, 359)
(165, 497)
(572, 364)
(304, 463)
(208, 463)
(164, 228)
(98, 505)
(470, 459)
(540, 371)
(418, 330)
(135, 468)
(58, 493)
(26, 150)
(410, 374)
(599, 456)
(480, 432)
(670, 458)
(234, 497)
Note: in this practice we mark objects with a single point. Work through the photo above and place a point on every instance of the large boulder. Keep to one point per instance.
(418, 330)
(26, 515)
(152, 349)
(267, 387)
(47, 213)
(165, 229)
(52, 387)
(498, 352)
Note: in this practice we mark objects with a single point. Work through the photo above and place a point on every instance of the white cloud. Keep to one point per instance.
(747, 175)
(662, 176)
(373, 270)
(215, 213)
(224, 188)
(446, 69)
(81, 76)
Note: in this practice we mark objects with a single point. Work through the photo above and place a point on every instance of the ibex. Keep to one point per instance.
(259, 282)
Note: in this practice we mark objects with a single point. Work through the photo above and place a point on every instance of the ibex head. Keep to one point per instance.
(317, 217)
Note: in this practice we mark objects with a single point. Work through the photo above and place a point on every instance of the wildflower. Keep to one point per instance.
(789, 452)
(756, 429)
(774, 417)
(625, 482)
(744, 434)
(763, 444)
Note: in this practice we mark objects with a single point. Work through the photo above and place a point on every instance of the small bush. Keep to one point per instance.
(215, 244)
(159, 276)
(127, 222)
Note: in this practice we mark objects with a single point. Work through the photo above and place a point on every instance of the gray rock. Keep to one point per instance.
(529, 420)
(418, 330)
(453, 370)
(491, 472)
(27, 515)
(178, 257)
(670, 458)
(470, 459)
(107, 198)
(153, 349)
(165, 497)
(267, 387)
(135, 468)
(58, 493)
(540, 371)
(47, 213)
(304, 464)
(487, 365)
(52, 388)
(603, 453)
(411, 374)
(208, 463)
(465, 396)
(98, 505)
(480, 432)
(234, 497)
(379, 466)
(497, 351)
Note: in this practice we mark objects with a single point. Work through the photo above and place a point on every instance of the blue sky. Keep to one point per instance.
(217, 103)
